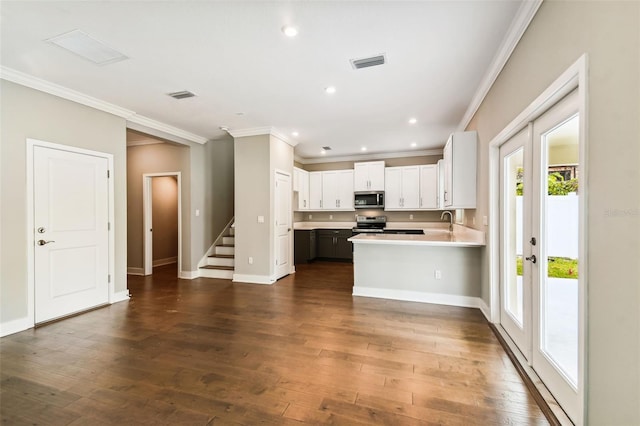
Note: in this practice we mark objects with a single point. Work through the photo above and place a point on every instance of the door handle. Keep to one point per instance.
(43, 242)
(532, 258)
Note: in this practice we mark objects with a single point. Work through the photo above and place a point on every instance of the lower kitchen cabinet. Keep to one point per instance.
(304, 246)
(333, 244)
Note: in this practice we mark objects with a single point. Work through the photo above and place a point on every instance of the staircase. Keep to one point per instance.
(221, 263)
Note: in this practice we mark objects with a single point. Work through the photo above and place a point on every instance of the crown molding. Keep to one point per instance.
(519, 25)
(27, 80)
(143, 121)
(45, 86)
(258, 131)
(368, 157)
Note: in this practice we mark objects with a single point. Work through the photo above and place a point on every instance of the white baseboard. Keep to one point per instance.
(135, 271)
(485, 310)
(165, 261)
(189, 275)
(120, 296)
(253, 279)
(418, 296)
(15, 326)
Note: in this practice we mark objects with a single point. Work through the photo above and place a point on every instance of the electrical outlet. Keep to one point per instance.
(330, 216)
(260, 219)
(410, 217)
(474, 220)
(310, 216)
(484, 221)
(197, 212)
(250, 260)
(437, 274)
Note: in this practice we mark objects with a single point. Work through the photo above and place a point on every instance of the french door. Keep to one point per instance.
(540, 249)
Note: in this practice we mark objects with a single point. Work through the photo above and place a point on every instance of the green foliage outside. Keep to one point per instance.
(557, 267)
(555, 183)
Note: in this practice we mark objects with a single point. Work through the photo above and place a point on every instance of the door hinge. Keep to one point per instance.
(108, 174)
(109, 278)
(108, 226)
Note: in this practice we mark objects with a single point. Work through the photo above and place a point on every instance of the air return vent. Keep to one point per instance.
(181, 95)
(368, 62)
(326, 148)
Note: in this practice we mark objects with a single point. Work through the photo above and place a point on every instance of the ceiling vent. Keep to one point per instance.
(326, 148)
(181, 95)
(368, 62)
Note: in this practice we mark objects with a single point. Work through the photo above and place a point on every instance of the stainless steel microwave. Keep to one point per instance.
(368, 200)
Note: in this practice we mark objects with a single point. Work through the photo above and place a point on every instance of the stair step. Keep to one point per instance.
(224, 260)
(228, 250)
(221, 272)
(228, 241)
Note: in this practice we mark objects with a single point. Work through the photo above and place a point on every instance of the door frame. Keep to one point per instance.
(575, 77)
(147, 212)
(30, 235)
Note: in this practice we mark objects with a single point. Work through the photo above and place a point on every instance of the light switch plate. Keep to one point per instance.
(260, 219)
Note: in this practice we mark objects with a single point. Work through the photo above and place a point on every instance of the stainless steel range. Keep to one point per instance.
(370, 224)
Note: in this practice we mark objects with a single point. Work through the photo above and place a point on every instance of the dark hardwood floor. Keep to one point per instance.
(303, 350)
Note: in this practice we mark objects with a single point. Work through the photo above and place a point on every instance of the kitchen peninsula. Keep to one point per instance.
(438, 267)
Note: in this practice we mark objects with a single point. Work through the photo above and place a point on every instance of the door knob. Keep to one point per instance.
(532, 258)
(43, 242)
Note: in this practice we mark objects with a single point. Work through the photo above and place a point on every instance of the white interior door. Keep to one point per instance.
(515, 275)
(71, 211)
(282, 224)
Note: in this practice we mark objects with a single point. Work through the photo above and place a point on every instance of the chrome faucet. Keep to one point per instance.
(450, 219)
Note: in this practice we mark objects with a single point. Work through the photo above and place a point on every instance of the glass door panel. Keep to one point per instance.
(559, 257)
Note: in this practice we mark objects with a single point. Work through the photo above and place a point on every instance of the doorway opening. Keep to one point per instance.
(162, 220)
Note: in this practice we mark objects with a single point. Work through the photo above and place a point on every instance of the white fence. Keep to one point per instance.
(562, 226)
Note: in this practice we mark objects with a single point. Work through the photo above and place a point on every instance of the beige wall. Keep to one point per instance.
(28, 113)
(609, 32)
(158, 158)
(256, 160)
(164, 199)
(219, 186)
(252, 199)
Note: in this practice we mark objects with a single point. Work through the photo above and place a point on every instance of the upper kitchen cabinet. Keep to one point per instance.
(402, 188)
(460, 160)
(368, 176)
(337, 190)
(301, 186)
(331, 190)
(429, 182)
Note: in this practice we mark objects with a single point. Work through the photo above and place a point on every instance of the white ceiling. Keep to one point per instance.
(235, 58)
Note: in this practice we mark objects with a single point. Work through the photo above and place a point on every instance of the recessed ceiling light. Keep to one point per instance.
(413, 144)
(290, 31)
(413, 120)
(295, 134)
(330, 89)
(82, 44)
(364, 148)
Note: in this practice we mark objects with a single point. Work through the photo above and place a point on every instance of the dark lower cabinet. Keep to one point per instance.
(304, 246)
(333, 244)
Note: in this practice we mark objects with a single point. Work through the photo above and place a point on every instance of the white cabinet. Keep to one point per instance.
(337, 190)
(368, 176)
(429, 193)
(331, 190)
(301, 186)
(402, 188)
(315, 191)
(460, 162)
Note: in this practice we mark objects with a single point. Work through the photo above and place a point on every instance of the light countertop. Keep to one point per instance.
(433, 236)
